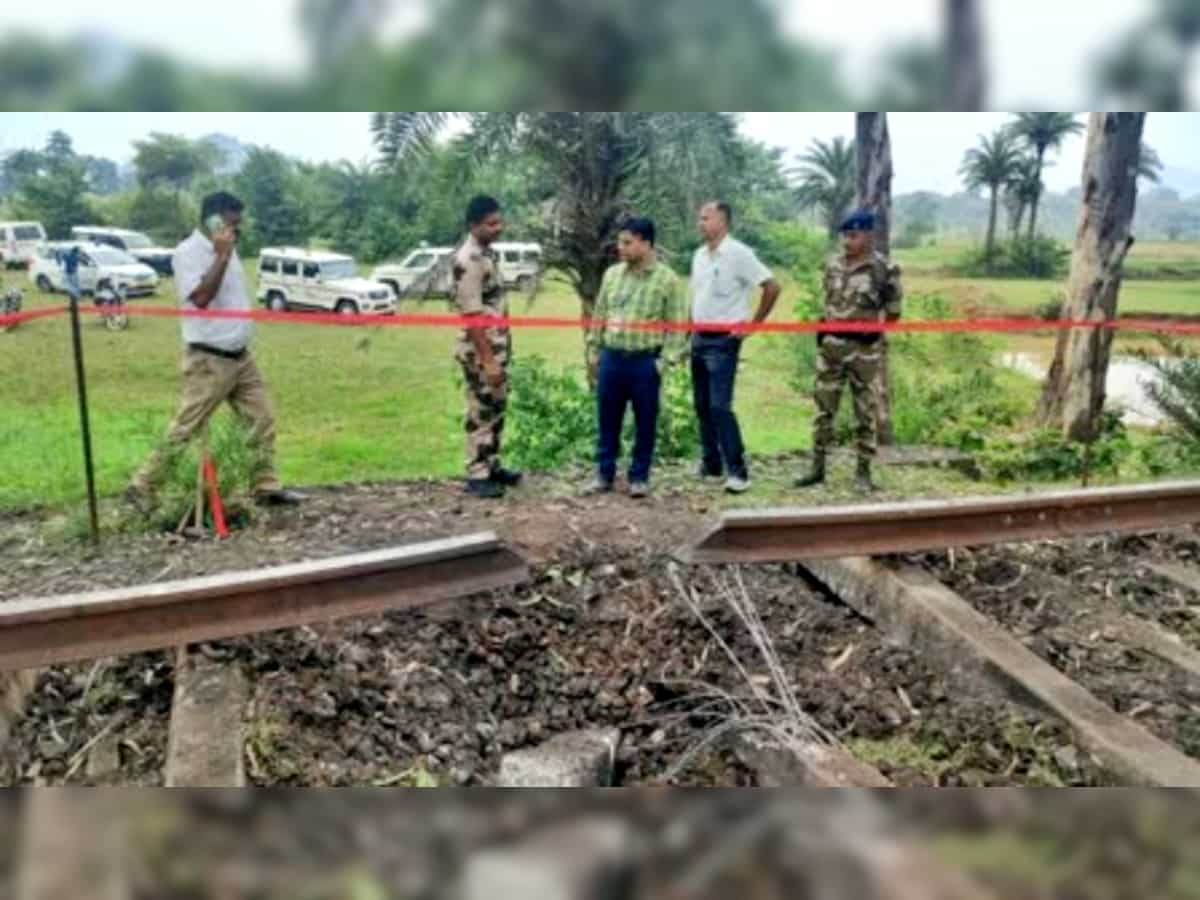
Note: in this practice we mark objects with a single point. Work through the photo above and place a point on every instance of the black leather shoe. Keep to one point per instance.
(280, 497)
(506, 477)
(485, 488)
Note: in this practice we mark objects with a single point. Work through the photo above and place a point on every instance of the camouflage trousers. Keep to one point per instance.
(840, 360)
(486, 406)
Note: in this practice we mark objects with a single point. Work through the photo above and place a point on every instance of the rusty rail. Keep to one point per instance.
(797, 534)
(45, 631)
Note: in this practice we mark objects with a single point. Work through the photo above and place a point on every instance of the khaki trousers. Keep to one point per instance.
(209, 381)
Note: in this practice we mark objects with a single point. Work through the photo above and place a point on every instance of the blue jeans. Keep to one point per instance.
(714, 369)
(625, 379)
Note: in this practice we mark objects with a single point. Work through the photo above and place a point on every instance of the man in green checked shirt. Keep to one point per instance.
(628, 356)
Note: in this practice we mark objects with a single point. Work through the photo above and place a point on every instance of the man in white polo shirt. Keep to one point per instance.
(217, 365)
(725, 272)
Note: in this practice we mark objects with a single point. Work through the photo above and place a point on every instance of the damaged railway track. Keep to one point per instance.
(879, 651)
(987, 636)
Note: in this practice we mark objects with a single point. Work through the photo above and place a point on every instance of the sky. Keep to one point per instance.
(1038, 48)
(927, 147)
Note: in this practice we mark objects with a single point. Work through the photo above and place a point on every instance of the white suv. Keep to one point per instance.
(425, 272)
(290, 278)
(520, 265)
(99, 266)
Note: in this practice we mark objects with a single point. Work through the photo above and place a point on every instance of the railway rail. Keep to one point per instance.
(803, 533)
(46, 631)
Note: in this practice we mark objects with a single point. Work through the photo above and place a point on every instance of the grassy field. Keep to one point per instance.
(1179, 260)
(353, 404)
(357, 404)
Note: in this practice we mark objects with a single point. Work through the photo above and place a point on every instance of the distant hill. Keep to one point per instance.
(233, 152)
(1185, 182)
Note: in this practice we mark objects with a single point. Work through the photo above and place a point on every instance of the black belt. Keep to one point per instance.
(657, 351)
(216, 351)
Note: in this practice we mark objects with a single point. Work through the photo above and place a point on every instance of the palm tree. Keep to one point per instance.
(1043, 131)
(993, 164)
(1150, 165)
(827, 177)
(1021, 191)
(602, 165)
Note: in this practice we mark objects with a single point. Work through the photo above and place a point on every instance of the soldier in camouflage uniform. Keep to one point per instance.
(483, 352)
(860, 285)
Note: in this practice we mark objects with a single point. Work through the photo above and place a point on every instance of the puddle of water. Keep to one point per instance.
(1126, 384)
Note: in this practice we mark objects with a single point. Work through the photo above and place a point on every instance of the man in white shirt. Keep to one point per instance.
(725, 272)
(218, 365)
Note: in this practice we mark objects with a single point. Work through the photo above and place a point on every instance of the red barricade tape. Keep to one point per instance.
(994, 325)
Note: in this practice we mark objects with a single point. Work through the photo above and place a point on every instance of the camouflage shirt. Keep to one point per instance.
(478, 289)
(863, 291)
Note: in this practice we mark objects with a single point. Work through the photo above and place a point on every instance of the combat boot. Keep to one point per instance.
(862, 477)
(816, 476)
(485, 488)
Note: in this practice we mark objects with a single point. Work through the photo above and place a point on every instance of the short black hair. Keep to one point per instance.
(220, 203)
(642, 227)
(724, 209)
(480, 208)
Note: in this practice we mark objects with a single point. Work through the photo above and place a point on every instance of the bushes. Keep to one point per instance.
(552, 417)
(1039, 257)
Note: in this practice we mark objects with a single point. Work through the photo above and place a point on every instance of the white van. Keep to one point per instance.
(291, 278)
(18, 241)
(99, 266)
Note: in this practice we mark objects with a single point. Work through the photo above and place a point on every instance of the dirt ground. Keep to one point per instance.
(1058, 598)
(598, 637)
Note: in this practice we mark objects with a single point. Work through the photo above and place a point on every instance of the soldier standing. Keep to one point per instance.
(483, 351)
(860, 286)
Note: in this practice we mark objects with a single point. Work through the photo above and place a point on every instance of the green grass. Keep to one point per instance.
(359, 404)
(1149, 260)
(352, 404)
(1026, 295)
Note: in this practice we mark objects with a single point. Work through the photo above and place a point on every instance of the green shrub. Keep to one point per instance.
(1039, 257)
(1177, 391)
(1045, 455)
(237, 464)
(551, 419)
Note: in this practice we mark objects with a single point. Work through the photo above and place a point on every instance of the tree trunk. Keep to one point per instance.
(1074, 393)
(73, 845)
(966, 78)
(991, 232)
(873, 144)
(1037, 198)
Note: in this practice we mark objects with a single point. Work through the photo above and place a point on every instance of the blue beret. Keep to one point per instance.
(859, 220)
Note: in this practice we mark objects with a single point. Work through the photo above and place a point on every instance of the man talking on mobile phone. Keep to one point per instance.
(218, 366)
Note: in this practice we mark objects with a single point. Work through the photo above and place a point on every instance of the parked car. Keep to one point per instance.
(18, 241)
(136, 244)
(291, 278)
(100, 267)
(425, 272)
(520, 265)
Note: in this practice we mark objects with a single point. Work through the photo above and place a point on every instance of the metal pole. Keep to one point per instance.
(85, 426)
